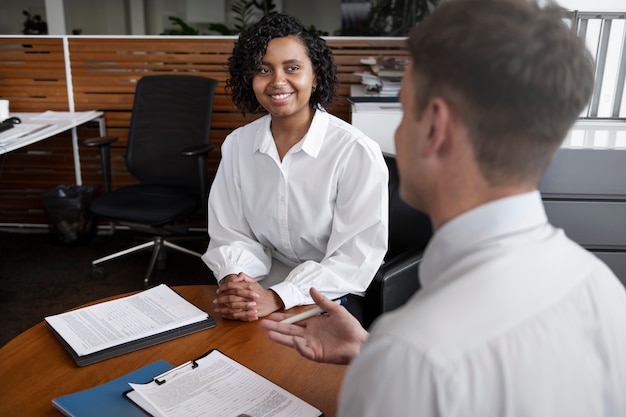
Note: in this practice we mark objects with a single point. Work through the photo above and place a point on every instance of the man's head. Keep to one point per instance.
(514, 74)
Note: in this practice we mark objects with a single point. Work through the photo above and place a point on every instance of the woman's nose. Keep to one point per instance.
(279, 79)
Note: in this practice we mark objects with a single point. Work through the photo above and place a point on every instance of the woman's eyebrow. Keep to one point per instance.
(288, 61)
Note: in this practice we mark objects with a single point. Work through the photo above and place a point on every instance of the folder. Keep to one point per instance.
(112, 328)
(108, 399)
(133, 345)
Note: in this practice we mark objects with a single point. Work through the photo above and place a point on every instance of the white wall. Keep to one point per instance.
(158, 12)
(110, 17)
(12, 19)
(94, 17)
(324, 14)
(595, 5)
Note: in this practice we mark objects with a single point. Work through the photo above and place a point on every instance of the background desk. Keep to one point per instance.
(35, 368)
(59, 122)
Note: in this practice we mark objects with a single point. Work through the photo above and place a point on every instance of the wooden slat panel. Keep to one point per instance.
(104, 75)
(33, 78)
(32, 73)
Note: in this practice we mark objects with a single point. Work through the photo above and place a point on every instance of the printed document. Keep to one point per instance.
(112, 323)
(217, 386)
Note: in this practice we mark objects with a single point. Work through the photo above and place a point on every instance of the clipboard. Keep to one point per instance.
(159, 385)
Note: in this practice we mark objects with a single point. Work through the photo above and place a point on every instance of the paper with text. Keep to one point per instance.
(61, 115)
(21, 130)
(112, 323)
(218, 387)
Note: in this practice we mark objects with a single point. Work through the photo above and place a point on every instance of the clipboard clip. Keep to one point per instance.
(160, 379)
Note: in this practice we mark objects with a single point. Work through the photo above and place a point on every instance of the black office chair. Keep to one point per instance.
(409, 232)
(171, 121)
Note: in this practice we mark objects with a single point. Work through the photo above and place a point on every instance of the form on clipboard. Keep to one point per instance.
(216, 385)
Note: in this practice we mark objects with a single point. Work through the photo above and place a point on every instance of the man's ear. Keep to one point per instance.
(438, 114)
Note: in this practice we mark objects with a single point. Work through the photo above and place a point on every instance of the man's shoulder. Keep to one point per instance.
(456, 320)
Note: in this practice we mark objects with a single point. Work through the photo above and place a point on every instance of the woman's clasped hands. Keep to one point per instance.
(241, 297)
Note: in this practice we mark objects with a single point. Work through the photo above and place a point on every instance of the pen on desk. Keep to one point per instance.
(310, 312)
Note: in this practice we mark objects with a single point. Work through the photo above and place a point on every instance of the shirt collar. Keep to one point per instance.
(466, 232)
(311, 143)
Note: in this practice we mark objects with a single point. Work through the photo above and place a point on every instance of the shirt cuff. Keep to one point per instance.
(226, 272)
(291, 295)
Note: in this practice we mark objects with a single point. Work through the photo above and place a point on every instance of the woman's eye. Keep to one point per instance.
(293, 68)
(263, 71)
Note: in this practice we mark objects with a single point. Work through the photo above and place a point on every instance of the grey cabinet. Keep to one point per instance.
(584, 192)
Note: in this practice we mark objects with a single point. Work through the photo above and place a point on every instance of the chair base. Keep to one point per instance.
(157, 244)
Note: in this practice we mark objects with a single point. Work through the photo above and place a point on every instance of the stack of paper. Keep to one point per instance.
(386, 76)
(391, 69)
(21, 130)
(108, 329)
(379, 85)
(51, 115)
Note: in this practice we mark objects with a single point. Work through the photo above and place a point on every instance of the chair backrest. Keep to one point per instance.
(409, 232)
(408, 228)
(170, 113)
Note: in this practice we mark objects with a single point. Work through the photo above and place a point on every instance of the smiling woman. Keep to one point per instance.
(300, 196)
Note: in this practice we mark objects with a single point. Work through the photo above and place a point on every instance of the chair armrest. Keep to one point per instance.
(394, 283)
(198, 150)
(100, 141)
(201, 151)
(103, 143)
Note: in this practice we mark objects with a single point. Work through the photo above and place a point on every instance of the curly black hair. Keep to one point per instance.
(250, 49)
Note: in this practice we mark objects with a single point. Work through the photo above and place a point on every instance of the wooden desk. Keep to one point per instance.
(35, 368)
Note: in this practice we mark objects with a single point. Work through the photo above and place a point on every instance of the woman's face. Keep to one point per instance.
(284, 81)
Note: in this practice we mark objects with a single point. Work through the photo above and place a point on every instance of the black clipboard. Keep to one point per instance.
(161, 379)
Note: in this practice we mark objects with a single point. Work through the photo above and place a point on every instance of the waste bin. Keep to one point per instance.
(68, 212)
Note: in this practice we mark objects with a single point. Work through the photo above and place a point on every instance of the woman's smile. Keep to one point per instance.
(281, 96)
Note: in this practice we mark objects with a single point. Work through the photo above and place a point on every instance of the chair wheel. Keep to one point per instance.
(97, 272)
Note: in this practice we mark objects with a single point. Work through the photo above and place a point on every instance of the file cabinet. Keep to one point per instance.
(584, 192)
